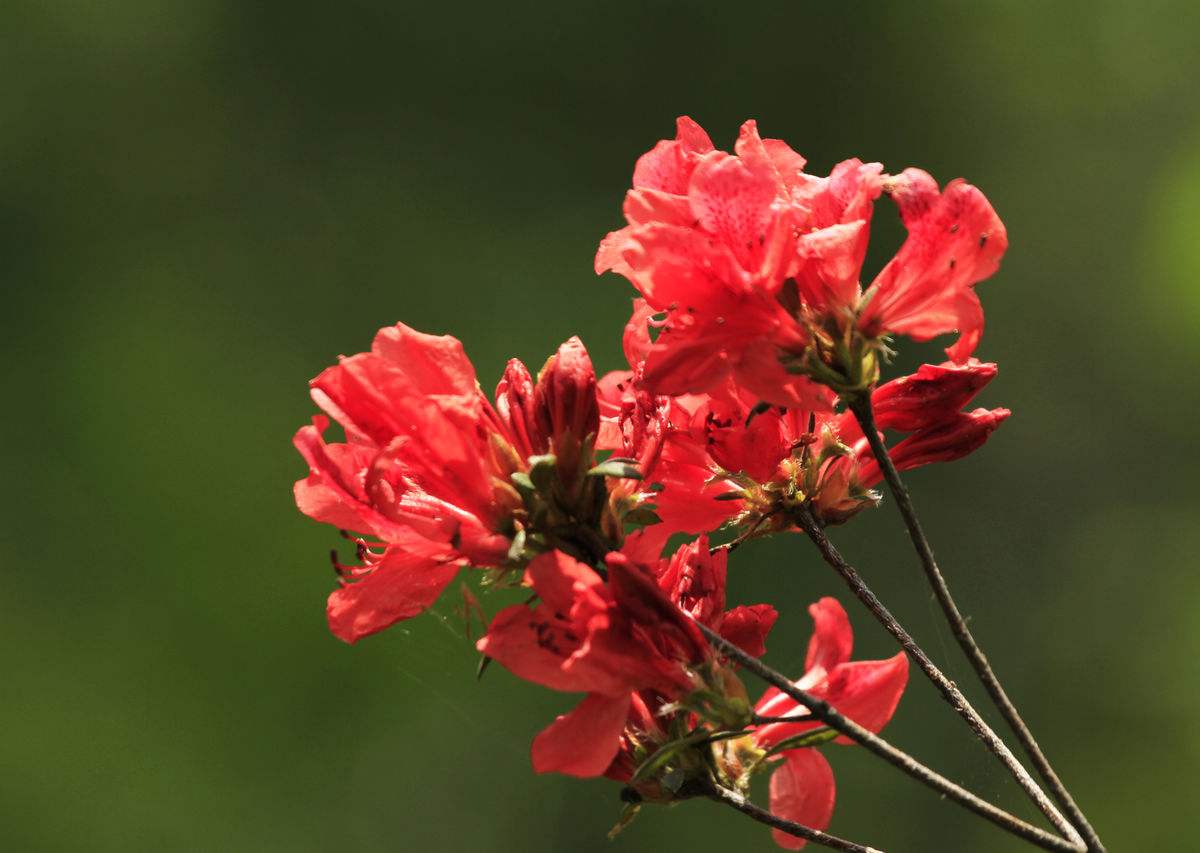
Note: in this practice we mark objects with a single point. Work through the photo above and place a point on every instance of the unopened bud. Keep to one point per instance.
(566, 406)
(953, 439)
(933, 395)
(516, 405)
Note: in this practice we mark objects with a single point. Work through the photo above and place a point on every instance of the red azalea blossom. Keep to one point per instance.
(753, 262)
(802, 787)
(606, 640)
(630, 644)
(752, 344)
(727, 456)
(427, 464)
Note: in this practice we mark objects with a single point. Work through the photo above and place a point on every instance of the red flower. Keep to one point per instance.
(694, 579)
(955, 240)
(951, 439)
(802, 788)
(629, 644)
(606, 640)
(427, 464)
(727, 457)
(711, 239)
(755, 264)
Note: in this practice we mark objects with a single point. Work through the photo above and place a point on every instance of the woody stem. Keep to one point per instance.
(863, 411)
(735, 800)
(823, 711)
(945, 686)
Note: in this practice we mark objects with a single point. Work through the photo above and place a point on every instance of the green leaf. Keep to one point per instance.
(616, 468)
(816, 737)
(517, 549)
(627, 815)
(524, 485)
(663, 755)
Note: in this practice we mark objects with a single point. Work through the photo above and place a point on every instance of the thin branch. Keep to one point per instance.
(944, 685)
(866, 418)
(823, 711)
(737, 801)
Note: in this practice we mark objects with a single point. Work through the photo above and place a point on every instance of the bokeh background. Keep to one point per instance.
(202, 203)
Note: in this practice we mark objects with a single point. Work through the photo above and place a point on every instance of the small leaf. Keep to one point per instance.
(627, 815)
(663, 755)
(484, 663)
(517, 549)
(816, 737)
(729, 496)
(616, 468)
(522, 482)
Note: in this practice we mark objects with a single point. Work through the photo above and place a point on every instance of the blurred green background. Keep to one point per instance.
(204, 202)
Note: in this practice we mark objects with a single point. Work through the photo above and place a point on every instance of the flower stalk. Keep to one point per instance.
(863, 411)
(736, 801)
(823, 711)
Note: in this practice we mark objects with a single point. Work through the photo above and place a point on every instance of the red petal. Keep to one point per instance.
(406, 580)
(832, 639)
(747, 627)
(734, 204)
(932, 395)
(955, 240)
(531, 645)
(559, 579)
(867, 691)
(803, 791)
(952, 439)
(333, 492)
(585, 741)
(669, 164)
(687, 504)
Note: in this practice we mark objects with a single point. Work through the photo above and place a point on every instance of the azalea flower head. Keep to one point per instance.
(628, 639)
(754, 267)
(802, 785)
(725, 457)
(434, 477)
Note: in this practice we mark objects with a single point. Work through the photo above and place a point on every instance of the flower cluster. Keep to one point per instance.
(751, 335)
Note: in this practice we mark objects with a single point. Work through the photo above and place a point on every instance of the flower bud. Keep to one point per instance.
(517, 408)
(566, 407)
(945, 442)
(931, 396)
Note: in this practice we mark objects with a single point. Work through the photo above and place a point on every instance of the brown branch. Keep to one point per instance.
(735, 800)
(861, 406)
(823, 711)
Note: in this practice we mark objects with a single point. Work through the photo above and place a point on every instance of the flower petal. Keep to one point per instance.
(955, 240)
(585, 741)
(802, 790)
(747, 627)
(867, 691)
(833, 638)
(669, 164)
(407, 579)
